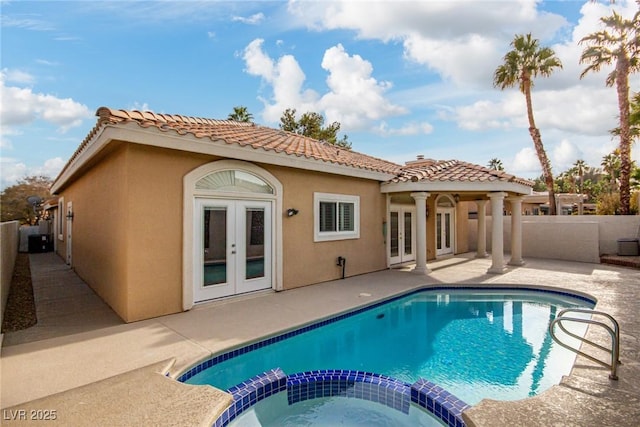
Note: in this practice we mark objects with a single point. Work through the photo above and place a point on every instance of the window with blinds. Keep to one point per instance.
(336, 216)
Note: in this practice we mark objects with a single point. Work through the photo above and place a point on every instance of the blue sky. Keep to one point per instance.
(403, 78)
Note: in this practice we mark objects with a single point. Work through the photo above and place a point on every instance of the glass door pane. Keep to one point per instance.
(255, 238)
(439, 231)
(408, 249)
(447, 230)
(214, 245)
(394, 234)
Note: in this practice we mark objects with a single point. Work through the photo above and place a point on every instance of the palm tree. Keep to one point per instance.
(618, 44)
(566, 181)
(241, 114)
(526, 61)
(580, 167)
(495, 164)
(634, 119)
(611, 165)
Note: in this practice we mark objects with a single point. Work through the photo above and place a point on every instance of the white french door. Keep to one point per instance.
(444, 231)
(402, 235)
(233, 247)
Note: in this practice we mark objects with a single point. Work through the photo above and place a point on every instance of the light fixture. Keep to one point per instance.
(456, 197)
(292, 212)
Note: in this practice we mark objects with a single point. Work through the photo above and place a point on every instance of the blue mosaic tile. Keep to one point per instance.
(250, 392)
(438, 401)
(345, 383)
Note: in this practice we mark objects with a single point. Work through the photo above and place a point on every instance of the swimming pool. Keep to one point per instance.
(475, 343)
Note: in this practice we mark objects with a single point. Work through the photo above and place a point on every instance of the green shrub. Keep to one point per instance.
(608, 204)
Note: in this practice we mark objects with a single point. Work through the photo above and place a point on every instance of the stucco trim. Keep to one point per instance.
(189, 195)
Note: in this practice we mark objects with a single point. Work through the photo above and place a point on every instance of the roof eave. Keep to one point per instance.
(133, 133)
(457, 186)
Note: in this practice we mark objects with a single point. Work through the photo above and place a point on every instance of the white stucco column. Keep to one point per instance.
(421, 232)
(497, 233)
(482, 229)
(516, 230)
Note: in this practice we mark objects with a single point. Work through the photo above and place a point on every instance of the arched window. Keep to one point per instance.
(445, 201)
(234, 181)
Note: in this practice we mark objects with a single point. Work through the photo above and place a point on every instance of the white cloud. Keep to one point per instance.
(254, 19)
(413, 128)
(449, 37)
(46, 62)
(285, 78)
(13, 170)
(140, 106)
(257, 62)
(19, 106)
(67, 38)
(354, 98)
(565, 155)
(51, 167)
(17, 76)
(481, 115)
(5, 143)
(577, 109)
(526, 163)
(27, 22)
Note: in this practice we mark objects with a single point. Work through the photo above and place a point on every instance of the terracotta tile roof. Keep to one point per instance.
(291, 144)
(429, 170)
(242, 134)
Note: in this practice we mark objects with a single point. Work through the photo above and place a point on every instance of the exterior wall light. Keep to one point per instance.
(292, 212)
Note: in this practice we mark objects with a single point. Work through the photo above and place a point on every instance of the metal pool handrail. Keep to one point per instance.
(614, 351)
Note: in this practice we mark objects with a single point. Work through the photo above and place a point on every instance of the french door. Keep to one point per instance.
(233, 247)
(69, 239)
(402, 235)
(444, 231)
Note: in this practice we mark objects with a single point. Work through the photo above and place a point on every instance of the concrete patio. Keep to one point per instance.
(80, 351)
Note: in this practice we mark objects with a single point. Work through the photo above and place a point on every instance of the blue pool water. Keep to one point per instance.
(336, 411)
(474, 343)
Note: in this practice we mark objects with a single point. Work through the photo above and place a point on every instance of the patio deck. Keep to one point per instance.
(73, 358)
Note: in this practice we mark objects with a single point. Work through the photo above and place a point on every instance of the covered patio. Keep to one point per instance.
(425, 182)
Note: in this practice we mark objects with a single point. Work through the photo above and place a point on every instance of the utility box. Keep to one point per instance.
(39, 243)
(628, 247)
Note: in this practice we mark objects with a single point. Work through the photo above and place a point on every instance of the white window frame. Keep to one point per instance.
(61, 215)
(324, 236)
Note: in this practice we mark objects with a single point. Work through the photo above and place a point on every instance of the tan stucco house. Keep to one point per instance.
(159, 212)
